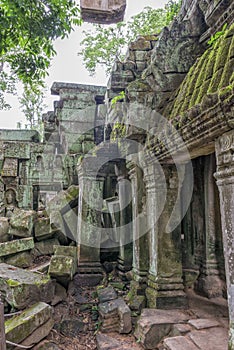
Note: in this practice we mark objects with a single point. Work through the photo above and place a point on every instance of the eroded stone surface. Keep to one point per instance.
(204, 323)
(22, 259)
(21, 223)
(22, 288)
(45, 247)
(106, 294)
(179, 343)
(4, 227)
(62, 268)
(15, 246)
(115, 316)
(210, 339)
(21, 327)
(153, 325)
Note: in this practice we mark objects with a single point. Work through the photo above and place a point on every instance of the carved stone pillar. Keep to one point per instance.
(89, 216)
(124, 192)
(140, 263)
(225, 181)
(165, 287)
(209, 282)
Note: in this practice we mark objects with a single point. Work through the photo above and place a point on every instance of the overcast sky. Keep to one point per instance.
(68, 67)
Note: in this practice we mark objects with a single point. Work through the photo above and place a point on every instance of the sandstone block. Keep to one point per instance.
(115, 316)
(179, 343)
(62, 268)
(21, 222)
(210, 339)
(106, 294)
(43, 229)
(66, 251)
(153, 325)
(141, 44)
(22, 326)
(203, 323)
(45, 247)
(22, 259)
(23, 288)
(39, 334)
(19, 245)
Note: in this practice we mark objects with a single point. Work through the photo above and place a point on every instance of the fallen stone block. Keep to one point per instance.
(22, 259)
(115, 316)
(22, 326)
(62, 268)
(71, 327)
(43, 229)
(106, 294)
(16, 246)
(39, 334)
(4, 227)
(23, 288)
(45, 247)
(154, 324)
(66, 251)
(21, 223)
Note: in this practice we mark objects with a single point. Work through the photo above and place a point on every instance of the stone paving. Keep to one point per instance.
(204, 326)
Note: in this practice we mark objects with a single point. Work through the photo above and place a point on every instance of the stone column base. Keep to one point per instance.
(165, 296)
(211, 286)
(90, 273)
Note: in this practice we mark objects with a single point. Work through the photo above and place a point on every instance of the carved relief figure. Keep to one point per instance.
(10, 202)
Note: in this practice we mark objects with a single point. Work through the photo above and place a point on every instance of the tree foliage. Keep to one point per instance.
(104, 44)
(31, 104)
(28, 28)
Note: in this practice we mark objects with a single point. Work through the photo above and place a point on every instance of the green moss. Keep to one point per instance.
(118, 131)
(12, 283)
(214, 83)
(211, 72)
(138, 85)
(227, 74)
(222, 53)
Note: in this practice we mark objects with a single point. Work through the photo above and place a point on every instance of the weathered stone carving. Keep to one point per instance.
(225, 181)
(102, 11)
(10, 201)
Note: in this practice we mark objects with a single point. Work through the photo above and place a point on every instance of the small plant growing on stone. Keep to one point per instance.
(217, 35)
(119, 97)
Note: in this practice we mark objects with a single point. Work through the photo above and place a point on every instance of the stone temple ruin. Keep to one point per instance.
(143, 181)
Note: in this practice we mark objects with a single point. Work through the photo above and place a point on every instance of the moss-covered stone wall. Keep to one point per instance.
(212, 72)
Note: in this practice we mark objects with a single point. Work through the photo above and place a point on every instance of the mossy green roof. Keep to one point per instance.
(211, 73)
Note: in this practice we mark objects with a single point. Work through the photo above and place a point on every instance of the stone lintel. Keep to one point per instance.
(57, 86)
(19, 135)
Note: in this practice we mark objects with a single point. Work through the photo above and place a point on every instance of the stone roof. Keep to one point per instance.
(213, 72)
